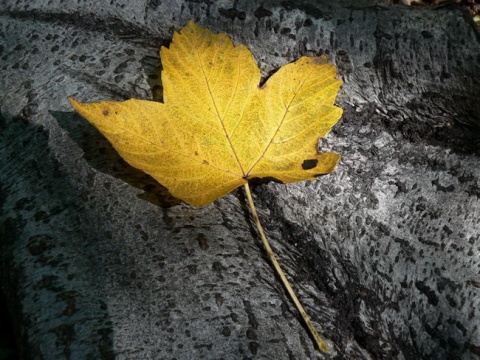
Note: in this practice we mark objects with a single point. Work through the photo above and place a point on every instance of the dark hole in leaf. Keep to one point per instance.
(309, 164)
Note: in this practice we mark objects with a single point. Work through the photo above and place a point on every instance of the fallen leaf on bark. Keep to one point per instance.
(217, 128)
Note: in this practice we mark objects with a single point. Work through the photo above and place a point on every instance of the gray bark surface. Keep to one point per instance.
(384, 253)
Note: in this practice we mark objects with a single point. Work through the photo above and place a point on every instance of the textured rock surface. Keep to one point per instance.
(385, 252)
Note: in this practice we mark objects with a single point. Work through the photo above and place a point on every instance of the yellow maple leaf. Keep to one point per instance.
(217, 128)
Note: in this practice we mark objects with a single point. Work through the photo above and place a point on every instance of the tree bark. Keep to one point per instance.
(97, 261)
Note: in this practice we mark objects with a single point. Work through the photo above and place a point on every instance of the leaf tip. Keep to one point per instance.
(71, 100)
(75, 104)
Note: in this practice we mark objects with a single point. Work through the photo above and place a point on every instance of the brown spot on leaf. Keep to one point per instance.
(105, 112)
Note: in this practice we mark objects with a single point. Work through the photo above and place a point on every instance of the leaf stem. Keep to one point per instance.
(321, 344)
